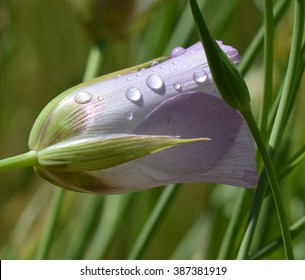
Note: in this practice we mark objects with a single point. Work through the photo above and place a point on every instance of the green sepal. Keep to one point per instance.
(227, 78)
(94, 153)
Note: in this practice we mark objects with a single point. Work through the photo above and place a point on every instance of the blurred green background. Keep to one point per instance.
(44, 50)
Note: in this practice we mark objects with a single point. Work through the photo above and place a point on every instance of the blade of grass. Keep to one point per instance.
(295, 160)
(113, 213)
(265, 222)
(298, 77)
(84, 227)
(276, 243)
(183, 28)
(165, 25)
(25, 223)
(189, 244)
(257, 43)
(153, 222)
(275, 106)
(268, 63)
(289, 85)
(95, 61)
(152, 46)
(49, 233)
(228, 244)
(266, 103)
(222, 17)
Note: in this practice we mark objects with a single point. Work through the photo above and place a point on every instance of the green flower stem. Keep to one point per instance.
(253, 216)
(268, 80)
(275, 188)
(153, 222)
(295, 230)
(235, 92)
(23, 160)
(268, 88)
(48, 235)
(248, 58)
(280, 122)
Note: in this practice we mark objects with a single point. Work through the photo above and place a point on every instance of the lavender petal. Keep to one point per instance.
(229, 158)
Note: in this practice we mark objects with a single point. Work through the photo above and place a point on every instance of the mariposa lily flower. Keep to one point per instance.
(158, 123)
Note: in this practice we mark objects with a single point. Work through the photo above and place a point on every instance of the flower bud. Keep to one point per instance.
(145, 127)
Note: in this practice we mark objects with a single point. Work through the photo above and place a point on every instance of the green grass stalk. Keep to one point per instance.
(268, 62)
(276, 243)
(153, 222)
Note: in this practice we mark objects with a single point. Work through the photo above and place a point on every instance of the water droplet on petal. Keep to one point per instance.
(100, 98)
(133, 94)
(155, 82)
(129, 116)
(128, 79)
(177, 87)
(200, 77)
(83, 97)
(175, 63)
(178, 51)
(195, 57)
